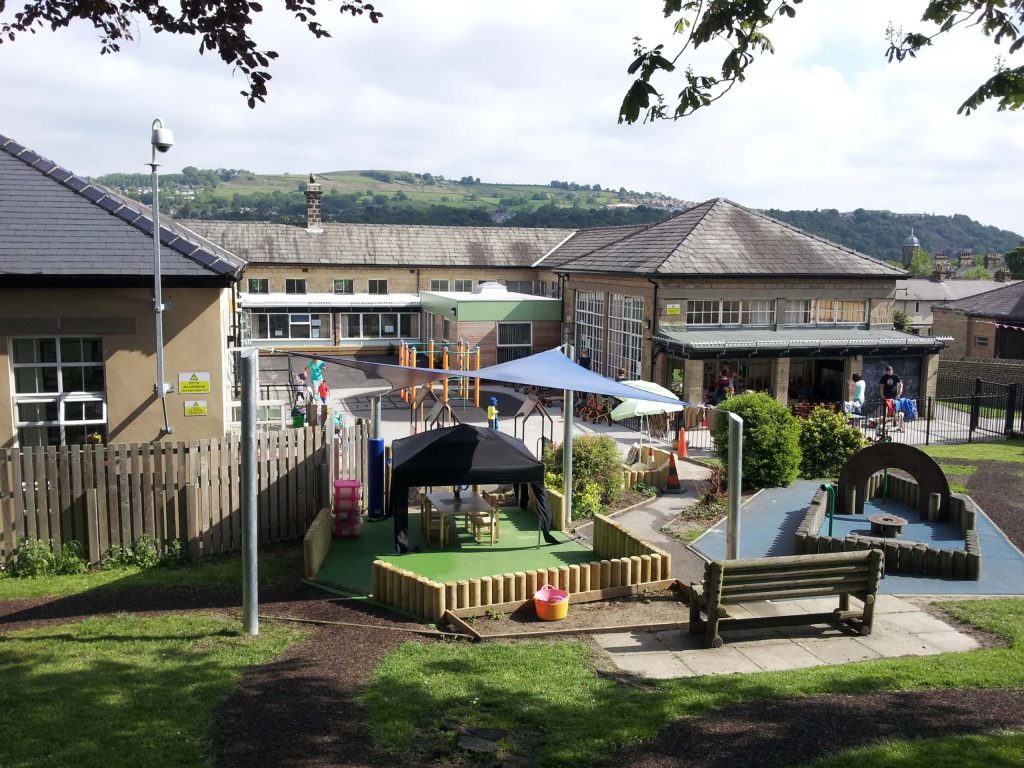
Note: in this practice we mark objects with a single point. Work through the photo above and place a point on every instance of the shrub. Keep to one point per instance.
(646, 489)
(35, 557)
(827, 441)
(144, 554)
(596, 462)
(771, 450)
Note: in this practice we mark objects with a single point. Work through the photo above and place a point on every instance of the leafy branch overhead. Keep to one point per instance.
(739, 26)
(221, 26)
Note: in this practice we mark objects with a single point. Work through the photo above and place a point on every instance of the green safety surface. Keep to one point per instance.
(349, 564)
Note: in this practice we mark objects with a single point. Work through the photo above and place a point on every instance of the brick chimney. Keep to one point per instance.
(940, 272)
(992, 260)
(314, 223)
(1002, 275)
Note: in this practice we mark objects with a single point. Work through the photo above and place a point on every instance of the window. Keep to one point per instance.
(344, 286)
(590, 328)
(379, 287)
(463, 286)
(731, 312)
(259, 285)
(295, 285)
(438, 285)
(379, 325)
(515, 340)
(59, 390)
(981, 341)
(851, 312)
(800, 312)
(519, 286)
(702, 313)
(625, 334)
(758, 312)
(290, 325)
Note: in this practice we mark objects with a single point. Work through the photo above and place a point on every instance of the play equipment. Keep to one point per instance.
(552, 604)
(375, 477)
(453, 356)
(348, 522)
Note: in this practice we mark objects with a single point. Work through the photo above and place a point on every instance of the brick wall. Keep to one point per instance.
(400, 279)
(1002, 371)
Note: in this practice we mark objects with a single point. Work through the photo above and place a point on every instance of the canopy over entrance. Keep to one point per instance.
(460, 455)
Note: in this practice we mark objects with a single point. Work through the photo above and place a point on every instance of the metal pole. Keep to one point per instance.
(158, 302)
(735, 478)
(250, 394)
(377, 416)
(567, 409)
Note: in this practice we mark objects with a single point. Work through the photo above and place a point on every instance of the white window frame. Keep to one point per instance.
(703, 312)
(60, 399)
(438, 285)
(259, 285)
(381, 320)
(758, 312)
(800, 312)
(374, 285)
(590, 327)
(462, 286)
(322, 322)
(625, 334)
(345, 283)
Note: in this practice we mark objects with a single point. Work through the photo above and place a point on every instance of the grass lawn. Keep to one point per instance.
(277, 565)
(1001, 750)
(1003, 450)
(123, 690)
(421, 694)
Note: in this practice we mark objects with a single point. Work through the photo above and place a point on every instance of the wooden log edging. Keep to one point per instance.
(316, 543)
(627, 563)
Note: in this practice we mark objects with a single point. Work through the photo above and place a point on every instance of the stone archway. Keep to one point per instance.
(915, 462)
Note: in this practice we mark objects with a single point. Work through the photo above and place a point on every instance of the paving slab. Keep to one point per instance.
(718, 661)
(781, 655)
(837, 650)
(950, 641)
(914, 622)
(624, 643)
(889, 644)
(655, 666)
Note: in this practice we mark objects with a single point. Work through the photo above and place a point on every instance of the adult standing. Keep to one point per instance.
(890, 386)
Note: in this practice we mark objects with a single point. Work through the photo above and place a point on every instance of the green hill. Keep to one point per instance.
(881, 233)
(402, 197)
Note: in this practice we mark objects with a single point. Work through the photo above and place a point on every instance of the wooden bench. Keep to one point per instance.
(785, 578)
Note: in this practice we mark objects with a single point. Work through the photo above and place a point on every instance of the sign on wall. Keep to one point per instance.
(673, 309)
(194, 383)
(195, 408)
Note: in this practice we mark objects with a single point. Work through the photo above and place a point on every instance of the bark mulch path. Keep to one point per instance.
(998, 488)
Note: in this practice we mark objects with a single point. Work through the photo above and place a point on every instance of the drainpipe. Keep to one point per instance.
(654, 324)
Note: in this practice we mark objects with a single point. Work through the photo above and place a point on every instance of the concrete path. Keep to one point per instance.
(901, 628)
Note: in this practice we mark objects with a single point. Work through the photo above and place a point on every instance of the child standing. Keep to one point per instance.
(492, 413)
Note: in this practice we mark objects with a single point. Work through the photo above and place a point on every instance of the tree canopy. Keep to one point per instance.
(222, 26)
(1015, 261)
(741, 25)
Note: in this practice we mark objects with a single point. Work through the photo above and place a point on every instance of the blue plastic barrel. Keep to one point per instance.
(375, 478)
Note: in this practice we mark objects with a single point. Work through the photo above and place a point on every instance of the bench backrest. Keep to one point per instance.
(795, 576)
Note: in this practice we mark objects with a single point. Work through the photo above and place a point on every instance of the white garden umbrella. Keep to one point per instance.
(630, 408)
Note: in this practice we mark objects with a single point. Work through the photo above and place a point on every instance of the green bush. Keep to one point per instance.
(771, 450)
(596, 462)
(144, 554)
(827, 441)
(34, 558)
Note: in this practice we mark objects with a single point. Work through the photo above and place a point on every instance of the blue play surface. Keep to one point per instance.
(769, 520)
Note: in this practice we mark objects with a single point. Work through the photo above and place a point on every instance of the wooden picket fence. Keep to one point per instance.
(109, 496)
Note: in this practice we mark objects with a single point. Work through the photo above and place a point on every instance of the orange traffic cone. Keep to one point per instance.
(673, 485)
(681, 450)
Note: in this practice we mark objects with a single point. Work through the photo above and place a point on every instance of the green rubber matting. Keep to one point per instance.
(349, 564)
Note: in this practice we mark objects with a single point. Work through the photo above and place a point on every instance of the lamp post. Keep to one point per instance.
(161, 140)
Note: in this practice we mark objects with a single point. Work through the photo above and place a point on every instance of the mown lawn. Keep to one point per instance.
(420, 695)
(277, 565)
(123, 691)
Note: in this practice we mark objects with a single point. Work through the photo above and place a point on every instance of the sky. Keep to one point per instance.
(528, 91)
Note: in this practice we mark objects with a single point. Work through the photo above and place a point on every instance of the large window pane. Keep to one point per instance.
(350, 326)
(34, 380)
(278, 326)
(389, 325)
(409, 326)
(71, 350)
(37, 411)
(371, 326)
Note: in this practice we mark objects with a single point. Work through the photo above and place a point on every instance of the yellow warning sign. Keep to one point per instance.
(195, 408)
(194, 383)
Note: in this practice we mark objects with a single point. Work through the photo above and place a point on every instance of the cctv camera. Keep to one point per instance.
(162, 139)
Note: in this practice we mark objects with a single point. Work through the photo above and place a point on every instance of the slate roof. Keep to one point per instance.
(56, 224)
(382, 245)
(1002, 303)
(721, 238)
(923, 289)
(584, 242)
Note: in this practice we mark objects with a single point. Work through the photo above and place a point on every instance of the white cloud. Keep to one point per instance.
(528, 91)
